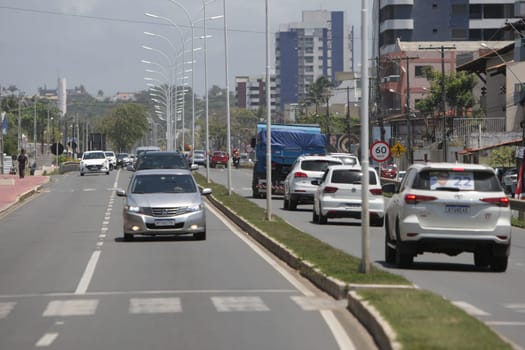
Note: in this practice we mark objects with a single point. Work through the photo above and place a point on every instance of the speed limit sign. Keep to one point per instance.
(380, 151)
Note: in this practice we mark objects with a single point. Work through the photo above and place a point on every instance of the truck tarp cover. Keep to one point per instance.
(291, 144)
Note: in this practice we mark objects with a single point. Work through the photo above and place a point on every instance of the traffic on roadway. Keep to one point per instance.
(70, 280)
(495, 298)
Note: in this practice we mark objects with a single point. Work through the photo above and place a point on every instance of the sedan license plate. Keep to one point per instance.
(457, 209)
(168, 222)
(352, 205)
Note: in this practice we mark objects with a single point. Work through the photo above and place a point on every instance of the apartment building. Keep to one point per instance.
(250, 92)
(443, 20)
(319, 45)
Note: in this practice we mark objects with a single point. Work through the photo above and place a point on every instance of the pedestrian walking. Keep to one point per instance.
(22, 163)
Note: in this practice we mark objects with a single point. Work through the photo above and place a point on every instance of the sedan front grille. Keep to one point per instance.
(163, 212)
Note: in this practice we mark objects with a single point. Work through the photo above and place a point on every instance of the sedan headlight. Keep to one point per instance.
(195, 207)
(132, 208)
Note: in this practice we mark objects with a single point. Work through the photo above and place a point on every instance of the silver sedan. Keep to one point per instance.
(163, 202)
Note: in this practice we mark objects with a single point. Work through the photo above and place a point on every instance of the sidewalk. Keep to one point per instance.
(13, 189)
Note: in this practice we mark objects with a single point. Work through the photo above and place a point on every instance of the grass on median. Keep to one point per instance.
(421, 319)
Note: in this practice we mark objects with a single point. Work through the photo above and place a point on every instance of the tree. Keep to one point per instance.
(458, 93)
(124, 125)
(502, 156)
(319, 92)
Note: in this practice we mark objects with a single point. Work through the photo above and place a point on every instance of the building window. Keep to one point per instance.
(459, 10)
(419, 71)
(459, 34)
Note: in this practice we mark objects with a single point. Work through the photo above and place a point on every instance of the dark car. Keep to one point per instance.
(163, 160)
(219, 157)
(123, 160)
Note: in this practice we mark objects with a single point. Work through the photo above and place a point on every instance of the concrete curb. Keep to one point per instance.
(380, 330)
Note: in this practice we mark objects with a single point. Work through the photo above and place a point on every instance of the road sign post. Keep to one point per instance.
(380, 151)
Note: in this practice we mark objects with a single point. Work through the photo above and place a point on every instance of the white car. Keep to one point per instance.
(448, 208)
(347, 158)
(94, 162)
(298, 187)
(339, 195)
(112, 159)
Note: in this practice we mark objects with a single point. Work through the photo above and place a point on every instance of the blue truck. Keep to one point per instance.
(288, 141)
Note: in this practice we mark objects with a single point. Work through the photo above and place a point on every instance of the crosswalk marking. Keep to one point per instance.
(229, 304)
(470, 309)
(71, 307)
(154, 305)
(5, 309)
(46, 340)
(318, 303)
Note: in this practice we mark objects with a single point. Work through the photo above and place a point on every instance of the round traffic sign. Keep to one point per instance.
(380, 151)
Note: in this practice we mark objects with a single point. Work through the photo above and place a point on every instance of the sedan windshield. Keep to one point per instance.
(163, 184)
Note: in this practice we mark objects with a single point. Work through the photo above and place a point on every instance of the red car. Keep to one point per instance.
(219, 157)
(389, 171)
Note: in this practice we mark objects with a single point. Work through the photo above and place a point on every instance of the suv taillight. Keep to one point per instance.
(330, 189)
(376, 191)
(300, 174)
(415, 198)
(499, 201)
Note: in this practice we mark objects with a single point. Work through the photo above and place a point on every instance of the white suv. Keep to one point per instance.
(94, 162)
(448, 208)
(298, 187)
(112, 159)
(339, 195)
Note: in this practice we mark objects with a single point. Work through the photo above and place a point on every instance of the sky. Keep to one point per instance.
(99, 43)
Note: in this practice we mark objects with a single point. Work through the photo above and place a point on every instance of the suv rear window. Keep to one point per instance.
(317, 165)
(468, 180)
(352, 177)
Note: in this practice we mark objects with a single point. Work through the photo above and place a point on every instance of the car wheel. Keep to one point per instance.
(107, 172)
(293, 203)
(481, 258)
(81, 174)
(499, 263)
(315, 216)
(199, 236)
(403, 260)
(390, 253)
(128, 236)
(323, 219)
(286, 203)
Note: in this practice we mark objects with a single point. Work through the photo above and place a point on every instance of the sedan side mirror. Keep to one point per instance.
(121, 192)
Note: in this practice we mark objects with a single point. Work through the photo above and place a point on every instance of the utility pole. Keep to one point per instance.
(442, 48)
(410, 133)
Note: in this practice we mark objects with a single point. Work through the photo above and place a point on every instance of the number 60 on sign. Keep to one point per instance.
(380, 151)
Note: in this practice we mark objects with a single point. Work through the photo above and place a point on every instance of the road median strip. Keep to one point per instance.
(378, 299)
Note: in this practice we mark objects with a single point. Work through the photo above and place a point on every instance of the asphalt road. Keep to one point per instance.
(69, 281)
(497, 299)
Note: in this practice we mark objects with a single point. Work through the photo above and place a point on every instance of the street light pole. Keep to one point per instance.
(226, 72)
(192, 25)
